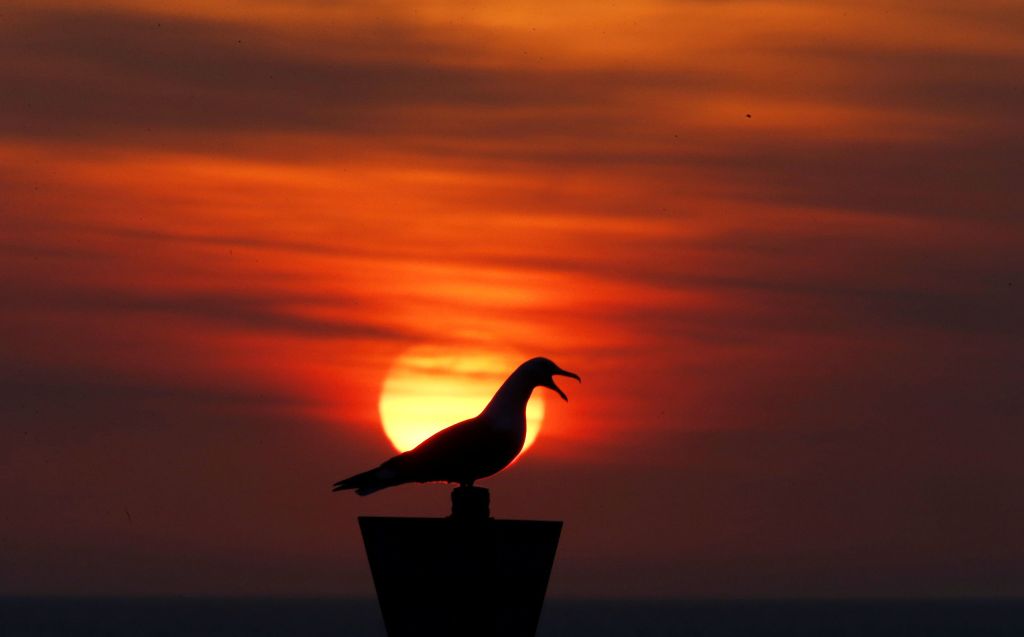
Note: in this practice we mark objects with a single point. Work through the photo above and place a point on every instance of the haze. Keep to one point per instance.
(781, 241)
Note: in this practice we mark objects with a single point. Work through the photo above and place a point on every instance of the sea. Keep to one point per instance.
(179, 617)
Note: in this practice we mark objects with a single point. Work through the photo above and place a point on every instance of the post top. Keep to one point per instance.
(471, 503)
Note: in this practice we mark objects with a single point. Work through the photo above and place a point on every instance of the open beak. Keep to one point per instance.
(551, 382)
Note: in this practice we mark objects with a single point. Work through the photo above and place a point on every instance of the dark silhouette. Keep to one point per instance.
(471, 503)
(466, 575)
(472, 449)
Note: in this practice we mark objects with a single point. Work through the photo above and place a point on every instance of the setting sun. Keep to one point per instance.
(430, 387)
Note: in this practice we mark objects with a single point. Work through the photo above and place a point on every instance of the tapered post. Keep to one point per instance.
(467, 574)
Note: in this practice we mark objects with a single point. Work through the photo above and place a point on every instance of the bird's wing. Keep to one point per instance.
(436, 459)
(450, 454)
(464, 452)
(441, 448)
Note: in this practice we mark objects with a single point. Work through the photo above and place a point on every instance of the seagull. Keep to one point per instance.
(474, 448)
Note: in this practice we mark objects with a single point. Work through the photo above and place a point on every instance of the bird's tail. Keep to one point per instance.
(367, 482)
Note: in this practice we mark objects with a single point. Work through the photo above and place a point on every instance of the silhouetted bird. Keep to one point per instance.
(472, 449)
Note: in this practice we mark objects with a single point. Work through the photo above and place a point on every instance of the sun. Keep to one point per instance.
(430, 387)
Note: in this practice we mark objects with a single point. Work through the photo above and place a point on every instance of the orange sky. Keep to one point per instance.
(781, 242)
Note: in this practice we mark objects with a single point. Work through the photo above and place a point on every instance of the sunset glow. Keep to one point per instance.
(782, 241)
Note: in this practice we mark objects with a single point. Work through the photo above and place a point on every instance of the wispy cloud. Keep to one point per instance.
(764, 233)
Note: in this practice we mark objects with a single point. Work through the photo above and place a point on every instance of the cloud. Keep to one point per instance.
(107, 76)
(246, 311)
(149, 82)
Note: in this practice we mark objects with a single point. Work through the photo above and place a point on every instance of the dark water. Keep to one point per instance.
(360, 618)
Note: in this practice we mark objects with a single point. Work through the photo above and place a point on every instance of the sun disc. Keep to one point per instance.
(430, 387)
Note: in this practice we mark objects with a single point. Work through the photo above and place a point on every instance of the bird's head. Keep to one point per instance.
(541, 372)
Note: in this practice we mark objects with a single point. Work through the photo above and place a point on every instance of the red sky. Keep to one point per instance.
(781, 241)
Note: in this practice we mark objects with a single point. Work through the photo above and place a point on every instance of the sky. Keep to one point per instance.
(781, 241)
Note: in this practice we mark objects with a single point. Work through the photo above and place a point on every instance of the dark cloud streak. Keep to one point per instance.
(109, 75)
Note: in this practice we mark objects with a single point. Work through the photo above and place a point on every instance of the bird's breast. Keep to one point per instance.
(509, 426)
(510, 434)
